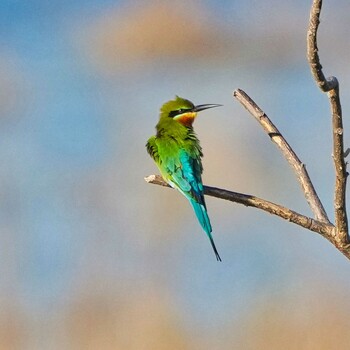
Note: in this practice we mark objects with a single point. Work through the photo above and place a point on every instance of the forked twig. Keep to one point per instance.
(287, 151)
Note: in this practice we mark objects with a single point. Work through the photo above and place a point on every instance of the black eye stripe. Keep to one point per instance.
(173, 114)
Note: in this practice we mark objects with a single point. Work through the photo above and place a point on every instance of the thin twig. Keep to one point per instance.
(294, 161)
(312, 50)
(331, 86)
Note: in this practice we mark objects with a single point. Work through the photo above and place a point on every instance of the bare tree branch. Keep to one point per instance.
(331, 86)
(324, 229)
(337, 234)
(298, 167)
(341, 221)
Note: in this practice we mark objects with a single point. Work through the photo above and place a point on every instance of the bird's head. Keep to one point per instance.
(182, 110)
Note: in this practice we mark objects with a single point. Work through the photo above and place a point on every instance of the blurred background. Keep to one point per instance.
(92, 257)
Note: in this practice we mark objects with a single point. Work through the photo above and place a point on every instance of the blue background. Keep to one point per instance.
(91, 257)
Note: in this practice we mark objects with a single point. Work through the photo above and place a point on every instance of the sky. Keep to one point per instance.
(91, 255)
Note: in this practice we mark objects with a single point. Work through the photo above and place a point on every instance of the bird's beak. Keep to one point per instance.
(203, 107)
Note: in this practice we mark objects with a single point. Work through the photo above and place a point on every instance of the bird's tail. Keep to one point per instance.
(203, 218)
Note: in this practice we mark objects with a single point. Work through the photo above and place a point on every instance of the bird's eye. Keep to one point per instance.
(180, 111)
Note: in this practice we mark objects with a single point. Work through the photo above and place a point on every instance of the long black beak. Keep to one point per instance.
(203, 107)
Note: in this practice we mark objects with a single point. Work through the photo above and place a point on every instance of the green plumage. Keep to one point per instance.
(177, 152)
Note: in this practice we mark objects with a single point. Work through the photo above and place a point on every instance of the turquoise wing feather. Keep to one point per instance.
(184, 173)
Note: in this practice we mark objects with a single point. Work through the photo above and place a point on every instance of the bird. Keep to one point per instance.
(177, 152)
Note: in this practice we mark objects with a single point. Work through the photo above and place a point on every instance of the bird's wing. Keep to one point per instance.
(185, 172)
(152, 148)
(187, 178)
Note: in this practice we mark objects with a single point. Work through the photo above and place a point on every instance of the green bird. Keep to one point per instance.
(177, 152)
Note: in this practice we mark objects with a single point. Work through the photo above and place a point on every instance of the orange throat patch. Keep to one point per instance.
(186, 119)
